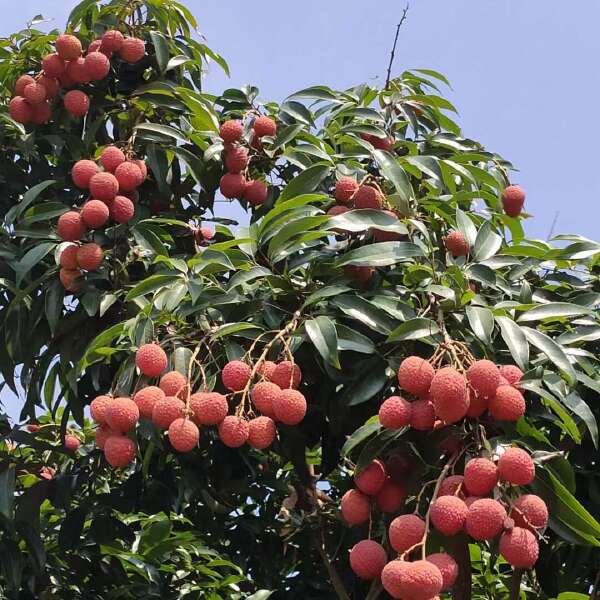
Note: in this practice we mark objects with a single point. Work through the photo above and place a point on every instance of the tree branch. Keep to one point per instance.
(334, 576)
(393, 53)
(515, 584)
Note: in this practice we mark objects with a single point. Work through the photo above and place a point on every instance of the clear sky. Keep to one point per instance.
(511, 64)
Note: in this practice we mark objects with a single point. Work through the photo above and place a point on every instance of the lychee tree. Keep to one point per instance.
(322, 377)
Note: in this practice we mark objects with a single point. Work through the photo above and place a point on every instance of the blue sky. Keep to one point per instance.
(511, 64)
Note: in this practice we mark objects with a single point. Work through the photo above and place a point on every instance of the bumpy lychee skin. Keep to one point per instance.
(111, 158)
(122, 209)
(89, 256)
(485, 519)
(34, 93)
(119, 451)
(266, 369)
(236, 159)
(129, 176)
(264, 126)
(362, 275)
(422, 415)
(98, 408)
(69, 278)
(456, 243)
(234, 431)
(256, 192)
(151, 360)
(122, 414)
(141, 165)
(235, 375)
(172, 383)
(513, 199)
(263, 395)
(289, 407)
(415, 375)
(449, 395)
(102, 434)
(448, 514)
(371, 479)
(166, 411)
(405, 532)
(32, 427)
(66, 81)
(132, 50)
(345, 188)
(68, 257)
(70, 227)
(68, 47)
(41, 113)
(94, 214)
(231, 131)
(72, 442)
(511, 373)
(53, 65)
(452, 486)
(208, 408)
(20, 110)
(484, 377)
(368, 197)
(478, 404)
(77, 72)
(232, 185)
(367, 559)
(419, 580)
(447, 566)
(336, 210)
(146, 398)
(22, 83)
(77, 103)
(529, 511)
(287, 375)
(395, 413)
(112, 40)
(508, 404)
(261, 433)
(481, 476)
(355, 507)
(516, 466)
(520, 548)
(51, 84)
(183, 435)
(82, 173)
(380, 235)
(391, 496)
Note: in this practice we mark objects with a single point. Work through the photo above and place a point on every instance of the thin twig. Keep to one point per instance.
(515, 584)
(393, 53)
(334, 576)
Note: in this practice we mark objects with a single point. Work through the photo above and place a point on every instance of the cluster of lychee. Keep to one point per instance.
(112, 190)
(67, 68)
(449, 395)
(171, 406)
(236, 157)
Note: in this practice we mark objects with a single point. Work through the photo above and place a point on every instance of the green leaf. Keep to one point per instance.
(370, 380)
(161, 47)
(516, 341)
(323, 335)
(363, 311)
(28, 197)
(150, 284)
(243, 277)
(376, 445)
(380, 255)
(306, 182)
(553, 310)
(482, 322)
(360, 435)
(326, 292)
(351, 340)
(7, 492)
(364, 220)
(580, 408)
(181, 359)
(162, 130)
(32, 257)
(552, 350)
(466, 226)
(261, 595)
(487, 243)
(392, 171)
(414, 329)
(231, 328)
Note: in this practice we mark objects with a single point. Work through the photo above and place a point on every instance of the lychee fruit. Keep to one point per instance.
(129, 176)
(231, 131)
(391, 496)
(69, 278)
(112, 40)
(484, 377)
(172, 383)
(508, 404)
(256, 192)
(422, 415)
(367, 559)
(53, 65)
(362, 275)
(104, 186)
(132, 50)
(122, 209)
(370, 480)
(89, 256)
(516, 466)
(481, 476)
(395, 413)
(236, 159)
(70, 227)
(232, 185)
(141, 165)
(456, 243)
(381, 235)
(119, 451)
(448, 514)
(183, 435)
(447, 566)
(511, 373)
(32, 427)
(289, 407)
(419, 580)
(165, 411)
(151, 360)
(519, 547)
(368, 197)
(452, 486)
(263, 395)
(41, 113)
(380, 143)
(22, 83)
(336, 210)
(146, 398)
(77, 72)
(478, 404)
(485, 519)
(20, 110)
(406, 531)
(235, 375)
(68, 46)
(97, 66)
(287, 375)
(71, 442)
(449, 395)
(66, 80)
(264, 126)
(234, 431)
(513, 199)
(94, 214)
(261, 432)
(415, 375)
(98, 407)
(77, 103)
(345, 188)
(82, 173)
(68, 257)
(398, 467)
(111, 158)
(208, 408)
(96, 46)
(34, 93)
(122, 414)
(102, 434)
(355, 507)
(51, 84)
(529, 511)
(266, 369)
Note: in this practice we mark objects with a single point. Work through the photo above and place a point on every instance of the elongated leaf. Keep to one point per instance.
(487, 243)
(516, 341)
(391, 170)
(552, 350)
(150, 284)
(481, 320)
(348, 339)
(579, 407)
(7, 492)
(415, 329)
(162, 130)
(553, 310)
(364, 220)
(362, 310)
(326, 292)
(306, 182)
(231, 328)
(161, 48)
(28, 197)
(323, 335)
(32, 257)
(381, 254)
(466, 226)
(261, 595)
(360, 435)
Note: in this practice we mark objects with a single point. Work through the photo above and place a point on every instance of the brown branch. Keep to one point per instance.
(334, 576)
(459, 548)
(515, 584)
(393, 53)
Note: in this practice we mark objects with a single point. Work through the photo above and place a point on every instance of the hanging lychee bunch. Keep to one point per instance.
(236, 182)
(513, 200)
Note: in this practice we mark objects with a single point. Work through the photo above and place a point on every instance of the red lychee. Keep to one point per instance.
(183, 435)
(111, 158)
(132, 50)
(51, 84)
(391, 496)
(456, 243)
(236, 159)
(151, 360)
(69, 278)
(263, 395)
(70, 227)
(448, 514)
(478, 404)
(112, 40)
(235, 375)
(529, 511)
(89, 256)
(104, 186)
(234, 431)
(261, 432)
(355, 507)
(66, 80)
(77, 72)
(102, 434)
(508, 404)
(484, 377)
(345, 188)
(289, 406)
(129, 176)
(452, 486)
(22, 83)
(122, 209)
(68, 47)
(119, 451)
(256, 192)
(395, 413)
(82, 173)
(485, 519)
(367, 559)
(381, 235)
(264, 126)
(71, 442)
(231, 131)
(34, 93)
(209, 408)
(520, 548)
(41, 113)
(146, 398)
(336, 210)
(380, 143)
(370, 480)
(53, 65)
(94, 214)
(172, 383)
(68, 257)
(368, 197)
(287, 375)
(232, 185)
(97, 66)
(511, 373)
(77, 103)
(481, 476)
(165, 411)
(141, 165)
(449, 395)
(20, 110)
(419, 580)
(32, 427)
(122, 414)
(516, 466)
(362, 275)
(415, 375)
(513, 199)
(405, 532)
(422, 415)
(447, 566)
(266, 369)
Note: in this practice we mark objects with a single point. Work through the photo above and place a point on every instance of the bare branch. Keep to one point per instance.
(393, 53)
